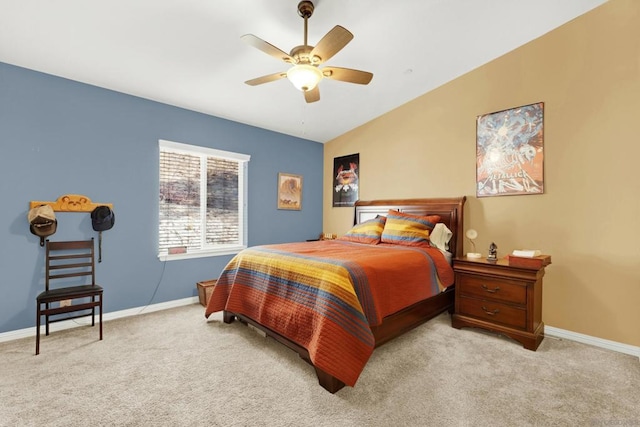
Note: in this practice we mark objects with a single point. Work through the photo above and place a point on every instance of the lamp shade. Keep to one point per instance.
(304, 77)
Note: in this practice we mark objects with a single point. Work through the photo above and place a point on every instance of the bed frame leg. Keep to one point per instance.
(228, 317)
(328, 382)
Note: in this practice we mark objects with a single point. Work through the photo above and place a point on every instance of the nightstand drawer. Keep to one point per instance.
(494, 312)
(510, 291)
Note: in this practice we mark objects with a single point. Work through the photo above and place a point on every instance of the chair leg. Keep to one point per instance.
(93, 312)
(100, 317)
(38, 329)
(46, 321)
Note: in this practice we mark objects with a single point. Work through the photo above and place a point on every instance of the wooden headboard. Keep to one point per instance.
(449, 209)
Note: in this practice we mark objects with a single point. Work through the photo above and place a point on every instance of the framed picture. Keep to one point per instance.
(345, 180)
(289, 191)
(510, 152)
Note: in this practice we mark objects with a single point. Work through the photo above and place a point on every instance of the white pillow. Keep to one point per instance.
(440, 236)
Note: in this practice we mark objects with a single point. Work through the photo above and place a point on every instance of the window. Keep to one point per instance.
(202, 201)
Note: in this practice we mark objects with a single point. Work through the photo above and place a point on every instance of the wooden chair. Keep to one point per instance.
(68, 268)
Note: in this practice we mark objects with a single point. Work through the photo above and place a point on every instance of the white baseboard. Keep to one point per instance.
(596, 342)
(68, 324)
(548, 330)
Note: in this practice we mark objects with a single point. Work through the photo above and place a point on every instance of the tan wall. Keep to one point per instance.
(587, 73)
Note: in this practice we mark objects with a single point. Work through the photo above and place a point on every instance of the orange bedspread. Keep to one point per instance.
(324, 295)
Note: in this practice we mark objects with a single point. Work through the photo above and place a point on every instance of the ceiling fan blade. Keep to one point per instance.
(267, 48)
(331, 44)
(266, 79)
(347, 75)
(312, 95)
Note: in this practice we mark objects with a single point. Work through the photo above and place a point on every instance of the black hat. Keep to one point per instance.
(102, 218)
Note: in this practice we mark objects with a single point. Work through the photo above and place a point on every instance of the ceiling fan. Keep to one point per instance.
(305, 73)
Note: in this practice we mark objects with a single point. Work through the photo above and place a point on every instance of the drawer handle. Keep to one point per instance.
(491, 291)
(490, 313)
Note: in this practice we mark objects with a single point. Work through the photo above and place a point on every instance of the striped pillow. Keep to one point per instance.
(407, 229)
(366, 232)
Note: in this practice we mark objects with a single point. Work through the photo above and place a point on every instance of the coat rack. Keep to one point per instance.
(71, 203)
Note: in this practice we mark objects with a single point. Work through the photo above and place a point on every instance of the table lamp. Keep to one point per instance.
(472, 235)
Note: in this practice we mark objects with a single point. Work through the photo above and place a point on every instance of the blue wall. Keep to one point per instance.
(63, 137)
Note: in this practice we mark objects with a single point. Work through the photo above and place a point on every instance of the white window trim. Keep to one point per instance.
(242, 202)
(202, 254)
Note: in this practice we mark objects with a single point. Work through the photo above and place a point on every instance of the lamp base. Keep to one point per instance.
(474, 255)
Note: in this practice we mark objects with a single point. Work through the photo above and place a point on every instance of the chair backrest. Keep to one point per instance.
(65, 260)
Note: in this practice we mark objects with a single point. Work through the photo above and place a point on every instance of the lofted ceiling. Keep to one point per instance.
(188, 53)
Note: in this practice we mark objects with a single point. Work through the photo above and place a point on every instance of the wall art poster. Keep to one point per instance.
(345, 180)
(510, 152)
(289, 191)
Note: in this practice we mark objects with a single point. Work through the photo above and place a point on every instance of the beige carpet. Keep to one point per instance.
(174, 368)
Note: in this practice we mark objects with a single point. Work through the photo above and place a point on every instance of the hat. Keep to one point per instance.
(40, 214)
(102, 218)
(42, 222)
(44, 229)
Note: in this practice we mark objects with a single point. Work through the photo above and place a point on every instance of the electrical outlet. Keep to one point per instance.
(65, 303)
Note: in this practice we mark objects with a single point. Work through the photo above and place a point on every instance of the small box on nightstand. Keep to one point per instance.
(536, 262)
(205, 289)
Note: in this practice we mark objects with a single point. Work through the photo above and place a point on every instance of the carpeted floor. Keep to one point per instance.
(174, 368)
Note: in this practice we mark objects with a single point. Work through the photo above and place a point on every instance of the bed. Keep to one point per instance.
(334, 301)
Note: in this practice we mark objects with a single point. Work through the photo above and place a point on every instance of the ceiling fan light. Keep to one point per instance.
(304, 77)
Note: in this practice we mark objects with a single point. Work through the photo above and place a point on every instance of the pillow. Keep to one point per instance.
(366, 232)
(407, 229)
(440, 236)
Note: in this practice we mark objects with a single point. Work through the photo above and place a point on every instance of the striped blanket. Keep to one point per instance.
(325, 295)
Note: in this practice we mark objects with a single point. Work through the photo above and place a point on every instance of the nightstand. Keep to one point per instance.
(501, 298)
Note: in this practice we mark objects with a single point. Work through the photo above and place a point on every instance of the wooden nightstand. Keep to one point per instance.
(501, 298)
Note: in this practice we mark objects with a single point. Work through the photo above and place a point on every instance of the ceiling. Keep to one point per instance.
(188, 53)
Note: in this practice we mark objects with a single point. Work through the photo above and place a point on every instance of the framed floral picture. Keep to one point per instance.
(289, 191)
(345, 180)
(510, 151)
